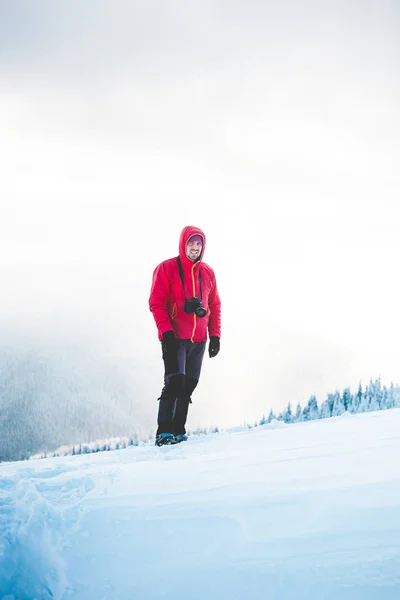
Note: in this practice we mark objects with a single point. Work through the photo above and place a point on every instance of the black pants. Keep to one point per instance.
(181, 376)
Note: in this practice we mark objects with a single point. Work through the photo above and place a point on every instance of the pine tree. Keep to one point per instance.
(391, 397)
(385, 396)
(379, 393)
(288, 416)
(311, 411)
(263, 420)
(364, 403)
(357, 399)
(338, 406)
(314, 410)
(374, 395)
(347, 399)
(331, 402)
(396, 395)
(326, 410)
(299, 413)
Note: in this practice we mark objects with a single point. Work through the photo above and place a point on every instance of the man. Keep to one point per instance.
(185, 304)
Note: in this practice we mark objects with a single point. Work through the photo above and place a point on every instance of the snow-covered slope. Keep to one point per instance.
(308, 511)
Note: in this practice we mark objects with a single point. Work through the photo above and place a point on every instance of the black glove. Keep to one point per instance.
(213, 346)
(169, 341)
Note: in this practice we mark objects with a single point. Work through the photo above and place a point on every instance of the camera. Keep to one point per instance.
(195, 305)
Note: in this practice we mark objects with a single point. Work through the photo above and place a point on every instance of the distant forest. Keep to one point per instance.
(49, 398)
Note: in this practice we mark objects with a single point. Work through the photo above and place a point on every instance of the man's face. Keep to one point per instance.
(193, 249)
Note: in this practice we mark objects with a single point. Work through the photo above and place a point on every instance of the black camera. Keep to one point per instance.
(195, 305)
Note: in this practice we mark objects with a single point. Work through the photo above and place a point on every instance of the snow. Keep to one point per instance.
(307, 511)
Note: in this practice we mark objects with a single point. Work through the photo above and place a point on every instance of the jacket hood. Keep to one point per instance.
(186, 233)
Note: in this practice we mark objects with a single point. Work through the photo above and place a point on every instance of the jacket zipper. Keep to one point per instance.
(194, 314)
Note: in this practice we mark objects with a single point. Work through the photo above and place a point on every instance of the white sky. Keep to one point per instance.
(273, 127)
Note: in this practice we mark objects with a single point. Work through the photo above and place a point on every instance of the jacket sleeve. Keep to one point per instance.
(159, 294)
(214, 303)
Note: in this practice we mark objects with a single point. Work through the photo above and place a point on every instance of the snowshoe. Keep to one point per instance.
(181, 437)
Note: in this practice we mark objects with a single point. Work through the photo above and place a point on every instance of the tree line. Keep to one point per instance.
(373, 397)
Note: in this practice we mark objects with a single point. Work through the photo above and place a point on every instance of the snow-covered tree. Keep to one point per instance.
(299, 413)
(391, 397)
(287, 415)
(374, 395)
(338, 406)
(384, 402)
(364, 403)
(263, 420)
(310, 411)
(357, 399)
(347, 399)
(325, 410)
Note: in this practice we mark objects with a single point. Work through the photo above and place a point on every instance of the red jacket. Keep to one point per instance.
(167, 298)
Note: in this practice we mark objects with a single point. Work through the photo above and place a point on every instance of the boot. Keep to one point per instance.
(165, 439)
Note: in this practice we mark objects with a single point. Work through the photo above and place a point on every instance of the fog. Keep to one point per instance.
(273, 127)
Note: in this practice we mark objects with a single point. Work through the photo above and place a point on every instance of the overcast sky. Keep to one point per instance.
(274, 126)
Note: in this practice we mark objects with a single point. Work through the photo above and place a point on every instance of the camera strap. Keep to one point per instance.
(180, 267)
